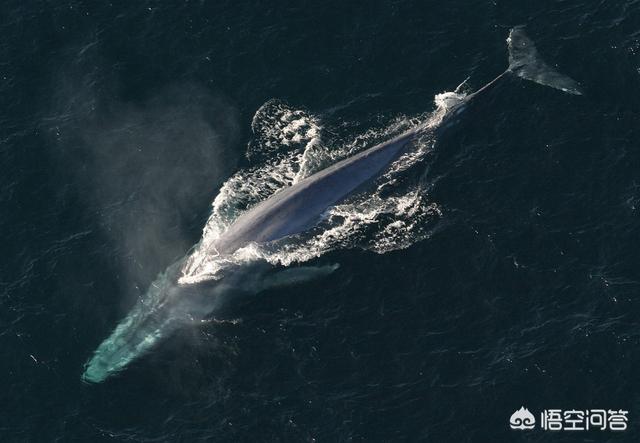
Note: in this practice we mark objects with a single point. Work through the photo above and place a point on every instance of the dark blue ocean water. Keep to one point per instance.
(120, 121)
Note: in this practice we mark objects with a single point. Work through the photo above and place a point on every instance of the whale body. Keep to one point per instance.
(290, 211)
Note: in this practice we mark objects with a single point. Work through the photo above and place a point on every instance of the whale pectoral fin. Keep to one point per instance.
(218, 321)
(294, 276)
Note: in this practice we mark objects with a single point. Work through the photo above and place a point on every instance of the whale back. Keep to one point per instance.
(299, 207)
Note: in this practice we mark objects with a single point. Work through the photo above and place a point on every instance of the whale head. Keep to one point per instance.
(165, 307)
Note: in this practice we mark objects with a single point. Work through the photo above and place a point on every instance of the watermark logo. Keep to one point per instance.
(572, 420)
(522, 419)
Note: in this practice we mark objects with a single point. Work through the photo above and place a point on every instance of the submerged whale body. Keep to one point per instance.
(293, 210)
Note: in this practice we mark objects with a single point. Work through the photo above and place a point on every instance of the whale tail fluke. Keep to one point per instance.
(525, 62)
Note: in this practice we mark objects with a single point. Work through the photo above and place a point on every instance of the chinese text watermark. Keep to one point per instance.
(571, 420)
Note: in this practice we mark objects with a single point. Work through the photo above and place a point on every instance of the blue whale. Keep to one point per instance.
(293, 210)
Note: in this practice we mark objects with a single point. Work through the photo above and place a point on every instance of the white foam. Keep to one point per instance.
(288, 147)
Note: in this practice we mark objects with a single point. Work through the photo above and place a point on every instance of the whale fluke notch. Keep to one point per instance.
(525, 62)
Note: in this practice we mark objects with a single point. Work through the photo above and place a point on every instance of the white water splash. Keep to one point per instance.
(288, 146)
